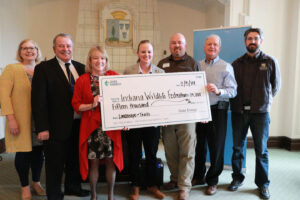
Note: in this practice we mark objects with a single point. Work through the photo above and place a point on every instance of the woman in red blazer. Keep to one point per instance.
(95, 144)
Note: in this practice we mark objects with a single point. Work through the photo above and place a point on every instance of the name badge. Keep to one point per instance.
(263, 66)
(165, 65)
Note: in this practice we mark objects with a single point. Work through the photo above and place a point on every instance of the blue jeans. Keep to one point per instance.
(259, 126)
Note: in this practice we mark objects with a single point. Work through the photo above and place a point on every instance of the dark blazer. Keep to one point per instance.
(51, 99)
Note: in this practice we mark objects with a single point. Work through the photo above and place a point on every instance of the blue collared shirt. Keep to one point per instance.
(221, 74)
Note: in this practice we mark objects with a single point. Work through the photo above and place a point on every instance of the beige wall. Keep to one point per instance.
(92, 29)
(12, 29)
(48, 18)
(39, 20)
(174, 18)
(42, 19)
(186, 16)
(215, 12)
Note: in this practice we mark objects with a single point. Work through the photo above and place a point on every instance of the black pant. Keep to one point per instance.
(26, 160)
(149, 136)
(212, 133)
(60, 156)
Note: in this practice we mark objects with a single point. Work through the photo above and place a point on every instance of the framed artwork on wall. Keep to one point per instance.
(119, 29)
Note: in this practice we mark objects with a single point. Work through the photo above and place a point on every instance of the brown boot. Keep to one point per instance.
(170, 185)
(156, 192)
(211, 190)
(26, 194)
(135, 193)
(183, 195)
(38, 189)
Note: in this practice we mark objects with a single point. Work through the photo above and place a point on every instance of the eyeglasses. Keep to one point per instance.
(28, 48)
(253, 38)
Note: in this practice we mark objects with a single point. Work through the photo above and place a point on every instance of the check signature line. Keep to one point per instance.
(178, 101)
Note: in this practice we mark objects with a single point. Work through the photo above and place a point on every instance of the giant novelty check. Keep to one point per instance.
(144, 100)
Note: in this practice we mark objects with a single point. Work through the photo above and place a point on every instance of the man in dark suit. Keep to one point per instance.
(55, 121)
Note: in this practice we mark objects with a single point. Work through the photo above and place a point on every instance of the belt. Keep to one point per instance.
(221, 105)
(246, 107)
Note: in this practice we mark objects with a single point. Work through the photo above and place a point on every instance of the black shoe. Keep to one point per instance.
(264, 192)
(234, 185)
(79, 193)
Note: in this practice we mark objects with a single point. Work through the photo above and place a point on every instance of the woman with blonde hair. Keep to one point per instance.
(95, 144)
(15, 101)
(148, 137)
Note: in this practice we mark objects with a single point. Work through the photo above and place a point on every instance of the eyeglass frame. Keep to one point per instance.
(29, 48)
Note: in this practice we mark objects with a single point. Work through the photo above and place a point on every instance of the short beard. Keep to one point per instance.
(252, 50)
(179, 53)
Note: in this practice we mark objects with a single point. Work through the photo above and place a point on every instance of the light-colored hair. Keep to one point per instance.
(214, 35)
(38, 50)
(88, 66)
(62, 35)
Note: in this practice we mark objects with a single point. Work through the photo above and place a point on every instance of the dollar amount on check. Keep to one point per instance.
(145, 100)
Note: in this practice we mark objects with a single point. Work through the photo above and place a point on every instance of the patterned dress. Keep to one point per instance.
(99, 144)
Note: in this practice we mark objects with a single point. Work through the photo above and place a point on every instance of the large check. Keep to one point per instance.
(144, 100)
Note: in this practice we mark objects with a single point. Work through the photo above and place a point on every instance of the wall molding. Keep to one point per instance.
(282, 142)
(2, 145)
